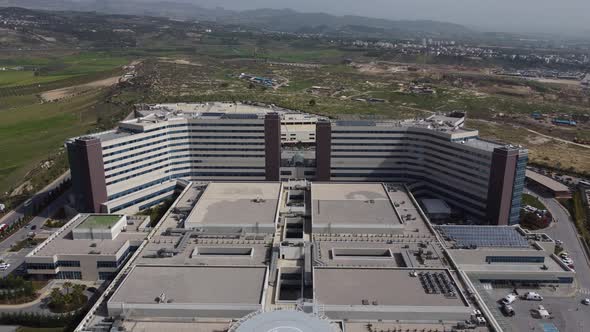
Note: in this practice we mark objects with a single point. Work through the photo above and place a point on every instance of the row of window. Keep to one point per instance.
(450, 147)
(106, 275)
(210, 124)
(129, 170)
(416, 153)
(417, 165)
(167, 139)
(479, 170)
(52, 266)
(171, 170)
(515, 259)
(144, 198)
(181, 131)
(449, 151)
(165, 153)
(511, 282)
(138, 188)
(424, 162)
(69, 275)
(462, 198)
(402, 171)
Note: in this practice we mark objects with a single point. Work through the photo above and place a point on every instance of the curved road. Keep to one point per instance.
(565, 230)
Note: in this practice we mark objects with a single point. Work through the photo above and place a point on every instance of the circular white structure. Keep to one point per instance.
(286, 321)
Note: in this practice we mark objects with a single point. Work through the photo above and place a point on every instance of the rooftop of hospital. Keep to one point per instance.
(63, 242)
(450, 125)
(204, 255)
(192, 285)
(343, 203)
(236, 204)
(387, 287)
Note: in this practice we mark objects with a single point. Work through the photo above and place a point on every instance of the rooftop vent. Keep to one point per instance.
(258, 200)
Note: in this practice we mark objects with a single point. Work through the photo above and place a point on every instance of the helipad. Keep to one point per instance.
(285, 321)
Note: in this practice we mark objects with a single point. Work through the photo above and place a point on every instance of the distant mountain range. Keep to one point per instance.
(284, 20)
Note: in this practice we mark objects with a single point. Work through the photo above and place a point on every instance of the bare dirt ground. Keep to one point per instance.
(557, 81)
(58, 94)
(179, 62)
(376, 68)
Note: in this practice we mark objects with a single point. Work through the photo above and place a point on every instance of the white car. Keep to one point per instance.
(4, 266)
(586, 301)
(568, 261)
(532, 296)
(508, 299)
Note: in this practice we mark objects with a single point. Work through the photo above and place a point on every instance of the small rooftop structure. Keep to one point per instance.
(285, 321)
(556, 188)
(483, 236)
(99, 221)
(83, 247)
(436, 208)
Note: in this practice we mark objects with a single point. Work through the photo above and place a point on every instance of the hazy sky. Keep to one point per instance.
(572, 16)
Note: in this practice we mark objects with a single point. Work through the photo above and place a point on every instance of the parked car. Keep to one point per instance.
(4, 266)
(532, 296)
(508, 299)
(34, 227)
(543, 313)
(586, 301)
(564, 254)
(508, 310)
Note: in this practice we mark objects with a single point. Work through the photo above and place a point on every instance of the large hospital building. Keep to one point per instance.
(144, 160)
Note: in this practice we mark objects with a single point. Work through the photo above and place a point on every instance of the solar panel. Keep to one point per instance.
(484, 236)
(351, 123)
(240, 116)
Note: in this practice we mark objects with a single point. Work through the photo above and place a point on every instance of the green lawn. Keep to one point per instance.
(59, 68)
(98, 221)
(16, 78)
(532, 201)
(31, 131)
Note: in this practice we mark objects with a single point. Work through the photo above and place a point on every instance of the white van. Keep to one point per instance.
(532, 296)
(509, 299)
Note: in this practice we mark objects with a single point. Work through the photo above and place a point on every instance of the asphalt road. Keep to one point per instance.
(565, 230)
(15, 259)
(12, 216)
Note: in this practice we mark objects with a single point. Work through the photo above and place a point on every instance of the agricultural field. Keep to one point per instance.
(368, 91)
(59, 96)
(33, 131)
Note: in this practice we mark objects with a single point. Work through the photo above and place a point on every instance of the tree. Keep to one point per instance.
(57, 299)
(312, 102)
(67, 286)
(78, 294)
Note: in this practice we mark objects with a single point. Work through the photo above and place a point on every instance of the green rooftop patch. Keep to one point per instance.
(100, 221)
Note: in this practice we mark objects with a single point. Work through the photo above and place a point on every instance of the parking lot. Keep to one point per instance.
(567, 312)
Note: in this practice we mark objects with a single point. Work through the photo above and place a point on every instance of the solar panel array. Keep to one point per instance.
(243, 116)
(484, 236)
(352, 123)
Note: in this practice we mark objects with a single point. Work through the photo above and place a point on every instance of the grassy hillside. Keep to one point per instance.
(32, 131)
